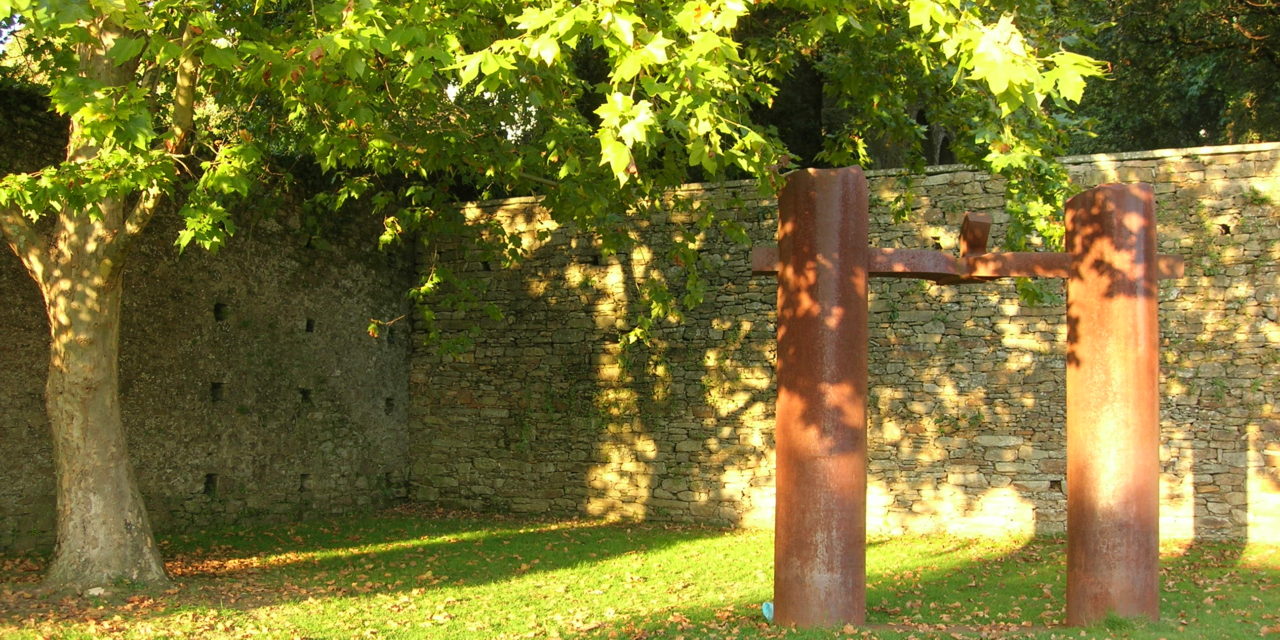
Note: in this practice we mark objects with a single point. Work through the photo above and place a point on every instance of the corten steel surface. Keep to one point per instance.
(1113, 435)
(820, 522)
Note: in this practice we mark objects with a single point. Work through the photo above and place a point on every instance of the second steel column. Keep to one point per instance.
(820, 531)
(1113, 433)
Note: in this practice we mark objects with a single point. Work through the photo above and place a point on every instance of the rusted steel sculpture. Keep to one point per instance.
(823, 263)
(820, 521)
(1113, 404)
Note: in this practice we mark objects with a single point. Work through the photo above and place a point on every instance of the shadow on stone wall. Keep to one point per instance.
(682, 428)
(966, 400)
(550, 413)
(1222, 423)
(251, 390)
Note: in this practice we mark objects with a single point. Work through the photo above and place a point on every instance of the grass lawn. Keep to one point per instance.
(414, 574)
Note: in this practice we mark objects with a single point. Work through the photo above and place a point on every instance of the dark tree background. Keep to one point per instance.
(1185, 73)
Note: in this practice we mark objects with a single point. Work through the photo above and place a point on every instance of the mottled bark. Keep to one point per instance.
(103, 534)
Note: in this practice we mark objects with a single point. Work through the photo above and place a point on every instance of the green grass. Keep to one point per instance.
(429, 575)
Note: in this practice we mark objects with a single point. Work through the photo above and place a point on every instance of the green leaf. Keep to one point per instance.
(222, 58)
(622, 27)
(616, 107)
(918, 12)
(629, 67)
(489, 63)
(1071, 86)
(534, 18)
(615, 154)
(124, 49)
(1070, 70)
(657, 47)
(354, 64)
(469, 70)
(546, 49)
(636, 129)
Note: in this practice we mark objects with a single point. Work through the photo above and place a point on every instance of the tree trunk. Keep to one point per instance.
(103, 533)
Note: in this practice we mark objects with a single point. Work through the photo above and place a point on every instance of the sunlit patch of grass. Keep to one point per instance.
(432, 575)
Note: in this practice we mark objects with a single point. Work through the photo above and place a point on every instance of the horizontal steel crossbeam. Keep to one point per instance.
(974, 264)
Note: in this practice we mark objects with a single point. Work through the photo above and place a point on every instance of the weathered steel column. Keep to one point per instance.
(820, 532)
(1113, 434)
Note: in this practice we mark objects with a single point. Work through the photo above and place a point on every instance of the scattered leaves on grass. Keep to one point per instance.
(406, 575)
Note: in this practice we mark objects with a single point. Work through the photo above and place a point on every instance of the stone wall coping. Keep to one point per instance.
(943, 168)
(1172, 153)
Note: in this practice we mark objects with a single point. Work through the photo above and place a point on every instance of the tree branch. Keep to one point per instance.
(184, 96)
(21, 236)
(143, 211)
(182, 130)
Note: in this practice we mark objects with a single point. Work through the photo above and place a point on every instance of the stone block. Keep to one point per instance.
(998, 440)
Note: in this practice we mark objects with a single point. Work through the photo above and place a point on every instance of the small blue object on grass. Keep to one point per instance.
(767, 610)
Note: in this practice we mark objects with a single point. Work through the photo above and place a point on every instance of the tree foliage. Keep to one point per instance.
(476, 93)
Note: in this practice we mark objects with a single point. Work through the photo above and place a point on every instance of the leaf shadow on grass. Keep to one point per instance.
(957, 590)
(940, 584)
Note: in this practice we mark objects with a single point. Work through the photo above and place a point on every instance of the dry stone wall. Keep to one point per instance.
(250, 389)
(550, 415)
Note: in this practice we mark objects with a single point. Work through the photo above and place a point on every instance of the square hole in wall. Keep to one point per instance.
(304, 395)
(210, 484)
(215, 391)
(1055, 485)
(220, 311)
(389, 406)
(304, 482)
(311, 325)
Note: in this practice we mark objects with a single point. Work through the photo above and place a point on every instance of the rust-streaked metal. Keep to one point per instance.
(1113, 435)
(820, 521)
(925, 264)
(1018, 264)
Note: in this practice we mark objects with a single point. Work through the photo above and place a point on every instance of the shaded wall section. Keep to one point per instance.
(549, 414)
(249, 387)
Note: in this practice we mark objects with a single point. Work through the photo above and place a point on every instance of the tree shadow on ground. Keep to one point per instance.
(587, 579)
(401, 550)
